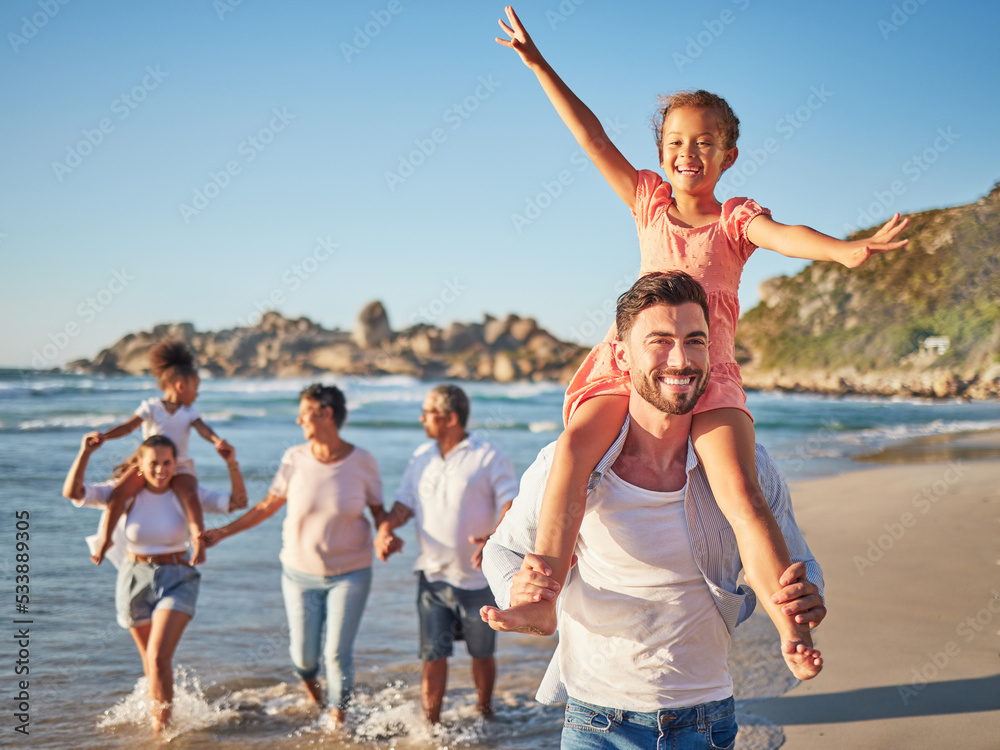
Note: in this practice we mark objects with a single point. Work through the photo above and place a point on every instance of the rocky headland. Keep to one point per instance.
(500, 349)
(921, 321)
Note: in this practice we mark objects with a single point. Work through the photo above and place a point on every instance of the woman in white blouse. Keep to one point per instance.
(326, 556)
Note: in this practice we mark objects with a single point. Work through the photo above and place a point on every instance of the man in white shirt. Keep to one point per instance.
(458, 487)
(648, 612)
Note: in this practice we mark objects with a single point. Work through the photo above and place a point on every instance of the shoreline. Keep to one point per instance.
(966, 445)
(911, 556)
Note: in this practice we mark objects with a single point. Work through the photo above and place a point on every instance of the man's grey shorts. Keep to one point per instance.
(449, 614)
(143, 588)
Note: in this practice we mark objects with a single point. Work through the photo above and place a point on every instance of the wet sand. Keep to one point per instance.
(911, 556)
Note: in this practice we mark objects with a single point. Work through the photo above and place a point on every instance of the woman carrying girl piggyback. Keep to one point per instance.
(681, 226)
(172, 415)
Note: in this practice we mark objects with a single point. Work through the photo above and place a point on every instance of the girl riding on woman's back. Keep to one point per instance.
(681, 226)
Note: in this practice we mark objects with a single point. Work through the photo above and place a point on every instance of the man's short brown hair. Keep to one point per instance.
(672, 288)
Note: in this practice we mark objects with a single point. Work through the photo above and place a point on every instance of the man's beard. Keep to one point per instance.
(670, 403)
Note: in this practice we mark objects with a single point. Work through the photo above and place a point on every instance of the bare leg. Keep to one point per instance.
(484, 675)
(129, 485)
(314, 690)
(579, 449)
(433, 682)
(141, 636)
(724, 441)
(186, 487)
(164, 635)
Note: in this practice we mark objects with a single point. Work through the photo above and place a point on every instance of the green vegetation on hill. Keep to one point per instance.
(946, 282)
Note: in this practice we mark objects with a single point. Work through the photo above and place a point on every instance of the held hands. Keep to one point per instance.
(519, 41)
(532, 583)
(209, 538)
(387, 543)
(799, 596)
(856, 252)
(227, 452)
(224, 449)
(91, 442)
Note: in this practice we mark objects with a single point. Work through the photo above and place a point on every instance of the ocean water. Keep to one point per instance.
(234, 684)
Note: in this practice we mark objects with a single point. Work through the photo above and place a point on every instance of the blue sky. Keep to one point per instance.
(198, 160)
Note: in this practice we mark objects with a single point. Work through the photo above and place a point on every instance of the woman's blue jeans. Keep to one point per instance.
(337, 602)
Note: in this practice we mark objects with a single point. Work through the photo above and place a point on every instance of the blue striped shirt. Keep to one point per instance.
(713, 542)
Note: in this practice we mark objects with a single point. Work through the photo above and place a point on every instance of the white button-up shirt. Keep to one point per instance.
(454, 498)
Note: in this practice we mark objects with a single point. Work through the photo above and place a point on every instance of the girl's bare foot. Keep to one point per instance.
(535, 618)
(803, 660)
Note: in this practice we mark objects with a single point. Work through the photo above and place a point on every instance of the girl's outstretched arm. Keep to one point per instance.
(123, 429)
(582, 123)
(208, 434)
(804, 242)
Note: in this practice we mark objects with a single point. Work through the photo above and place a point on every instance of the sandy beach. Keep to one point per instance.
(911, 556)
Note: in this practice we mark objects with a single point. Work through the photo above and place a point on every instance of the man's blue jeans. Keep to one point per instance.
(708, 726)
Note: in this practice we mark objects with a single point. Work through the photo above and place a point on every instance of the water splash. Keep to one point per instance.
(192, 711)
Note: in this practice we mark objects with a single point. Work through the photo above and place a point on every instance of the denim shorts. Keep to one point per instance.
(707, 726)
(143, 588)
(449, 614)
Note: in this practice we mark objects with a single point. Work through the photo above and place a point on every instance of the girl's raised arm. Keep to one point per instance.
(804, 242)
(582, 123)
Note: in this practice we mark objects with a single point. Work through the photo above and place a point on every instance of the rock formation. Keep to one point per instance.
(923, 321)
(508, 349)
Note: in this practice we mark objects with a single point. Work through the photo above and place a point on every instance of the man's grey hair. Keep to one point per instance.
(453, 400)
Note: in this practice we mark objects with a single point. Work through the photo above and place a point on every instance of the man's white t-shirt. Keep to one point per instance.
(453, 499)
(639, 627)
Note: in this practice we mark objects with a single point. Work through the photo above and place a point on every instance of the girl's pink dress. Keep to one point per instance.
(714, 255)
